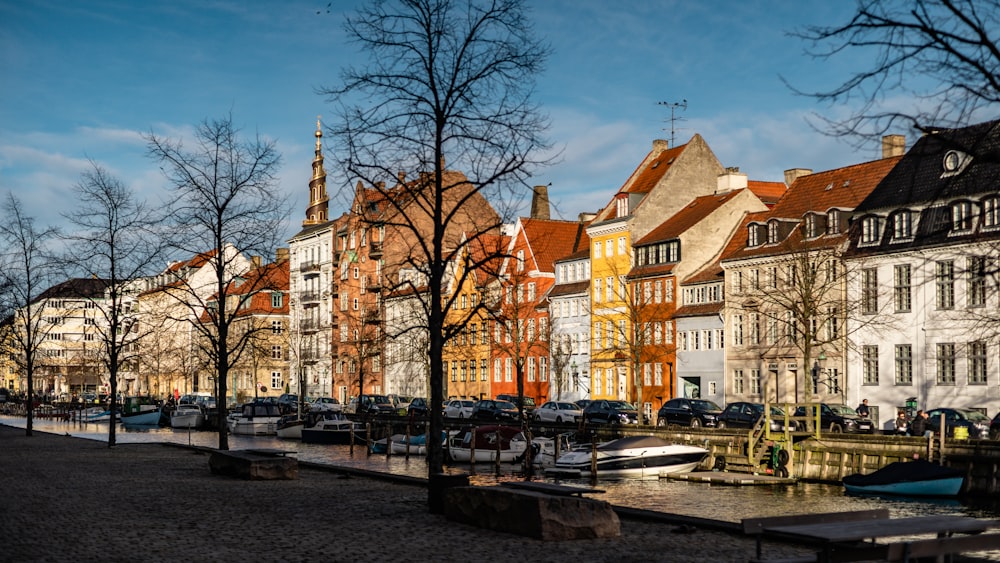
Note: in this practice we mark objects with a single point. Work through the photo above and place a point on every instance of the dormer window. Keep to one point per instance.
(954, 162)
(752, 236)
(811, 226)
(961, 216)
(902, 225)
(621, 205)
(870, 230)
(991, 212)
(772, 232)
(833, 222)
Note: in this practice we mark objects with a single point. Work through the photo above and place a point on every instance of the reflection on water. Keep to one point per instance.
(703, 500)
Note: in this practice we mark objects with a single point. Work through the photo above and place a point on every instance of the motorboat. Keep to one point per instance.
(187, 415)
(256, 419)
(95, 414)
(485, 444)
(334, 428)
(414, 445)
(917, 478)
(631, 456)
(141, 411)
(547, 450)
(290, 426)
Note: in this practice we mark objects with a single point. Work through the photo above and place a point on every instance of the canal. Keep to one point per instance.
(701, 500)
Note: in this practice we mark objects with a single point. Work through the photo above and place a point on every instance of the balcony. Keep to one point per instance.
(375, 250)
(308, 325)
(309, 267)
(308, 296)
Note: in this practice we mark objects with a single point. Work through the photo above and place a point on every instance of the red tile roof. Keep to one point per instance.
(550, 240)
(768, 192)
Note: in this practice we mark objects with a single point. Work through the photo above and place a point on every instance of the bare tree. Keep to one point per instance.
(227, 206)
(942, 56)
(443, 78)
(114, 240)
(27, 269)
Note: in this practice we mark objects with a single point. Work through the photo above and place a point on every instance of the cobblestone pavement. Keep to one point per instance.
(69, 499)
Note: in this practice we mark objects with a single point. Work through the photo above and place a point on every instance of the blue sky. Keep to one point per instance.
(85, 79)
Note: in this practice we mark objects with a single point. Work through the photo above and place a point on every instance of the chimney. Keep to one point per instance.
(281, 255)
(660, 145)
(793, 174)
(732, 180)
(257, 261)
(540, 202)
(893, 145)
(587, 217)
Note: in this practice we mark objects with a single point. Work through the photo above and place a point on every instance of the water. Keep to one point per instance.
(702, 500)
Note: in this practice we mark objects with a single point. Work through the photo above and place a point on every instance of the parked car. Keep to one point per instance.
(288, 402)
(89, 398)
(371, 404)
(400, 402)
(325, 404)
(836, 418)
(582, 403)
(742, 414)
(977, 423)
(459, 408)
(558, 411)
(495, 410)
(529, 402)
(688, 412)
(418, 406)
(604, 411)
(5, 394)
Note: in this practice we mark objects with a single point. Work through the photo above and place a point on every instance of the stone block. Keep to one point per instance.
(527, 513)
(253, 466)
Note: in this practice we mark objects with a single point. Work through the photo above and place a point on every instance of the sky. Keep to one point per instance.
(84, 80)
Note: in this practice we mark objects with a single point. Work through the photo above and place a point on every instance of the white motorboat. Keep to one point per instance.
(256, 419)
(187, 416)
(485, 444)
(290, 426)
(334, 428)
(631, 456)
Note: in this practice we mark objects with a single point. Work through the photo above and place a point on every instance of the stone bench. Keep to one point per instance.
(531, 513)
(253, 466)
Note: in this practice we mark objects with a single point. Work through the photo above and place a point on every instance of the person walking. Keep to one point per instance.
(863, 409)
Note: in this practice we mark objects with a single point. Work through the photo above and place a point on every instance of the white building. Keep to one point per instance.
(569, 314)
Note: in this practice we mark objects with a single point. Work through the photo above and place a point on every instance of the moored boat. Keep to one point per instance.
(488, 443)
(256, 419)
(187, 415)
(141, 411)
(417, 445)
(917, 478)
(290, 426)
(631, 456)
(334, 428)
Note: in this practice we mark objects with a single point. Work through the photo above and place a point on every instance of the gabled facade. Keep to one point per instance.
(569, 318)
(666, 180)
(689, 240)
(785, 301)
(522, 315)
(927, 241)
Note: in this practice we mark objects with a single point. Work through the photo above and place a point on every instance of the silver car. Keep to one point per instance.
(558, 411)
(456, 408)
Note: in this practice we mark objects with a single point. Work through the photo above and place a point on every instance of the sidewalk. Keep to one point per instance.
(69, 499)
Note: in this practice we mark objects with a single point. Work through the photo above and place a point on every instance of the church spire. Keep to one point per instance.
(318, 208)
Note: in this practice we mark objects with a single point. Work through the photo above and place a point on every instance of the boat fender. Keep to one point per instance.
(783, 457)
(720, 463)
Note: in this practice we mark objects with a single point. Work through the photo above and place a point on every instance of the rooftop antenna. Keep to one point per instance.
(683, 104)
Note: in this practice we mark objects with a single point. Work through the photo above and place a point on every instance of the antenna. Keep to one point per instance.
(683, 104)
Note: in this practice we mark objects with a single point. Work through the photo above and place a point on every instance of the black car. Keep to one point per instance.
(742, 414)
(418, 407)
(977, 425)
(371, 404)
(836, 419)
(495, 411)
(529, 402)
(606, 411)
(688, 412)
(288, 402)
(582, 403)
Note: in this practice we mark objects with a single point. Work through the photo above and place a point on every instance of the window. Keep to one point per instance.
(658, 374)
(609, 382)
(609, 248)
(961, 216)
(754, 329)
(901, 288)
(543, 329)
(832, 323)
(977, 363)
(738, 330)
(870, 230)
(276, 300)
(869, 358)
(598, 332)
(977, 281)
(869, 291)
(609, 288)
(531, 368)
(944, 273)
(276, 352)
(752, 236)
(991, 212)
(531, 291)
(904, 364)
(276, 380)
(276, 327)
(812, 226)
(531, 330)
(902, 225)
(833, 222)
(597, 290)
(343, 332)
(482, 370)
(738, 381)
(946, 364)
(508, 371)
(755, 381)
(737, 282)
(543, 368)
(621, 246)
(454, 370)
(520, 260)
(772, 232)
(497, 368)
(597, 249)
(772, 277)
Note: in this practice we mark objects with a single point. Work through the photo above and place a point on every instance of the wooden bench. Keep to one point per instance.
(756, 526)
(550, 488)
(906, 551)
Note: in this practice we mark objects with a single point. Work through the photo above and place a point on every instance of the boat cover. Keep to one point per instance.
(903, 472)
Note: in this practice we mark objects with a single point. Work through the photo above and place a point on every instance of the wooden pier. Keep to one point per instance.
(733, 479)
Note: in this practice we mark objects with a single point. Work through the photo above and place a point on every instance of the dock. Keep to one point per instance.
(730, 478)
